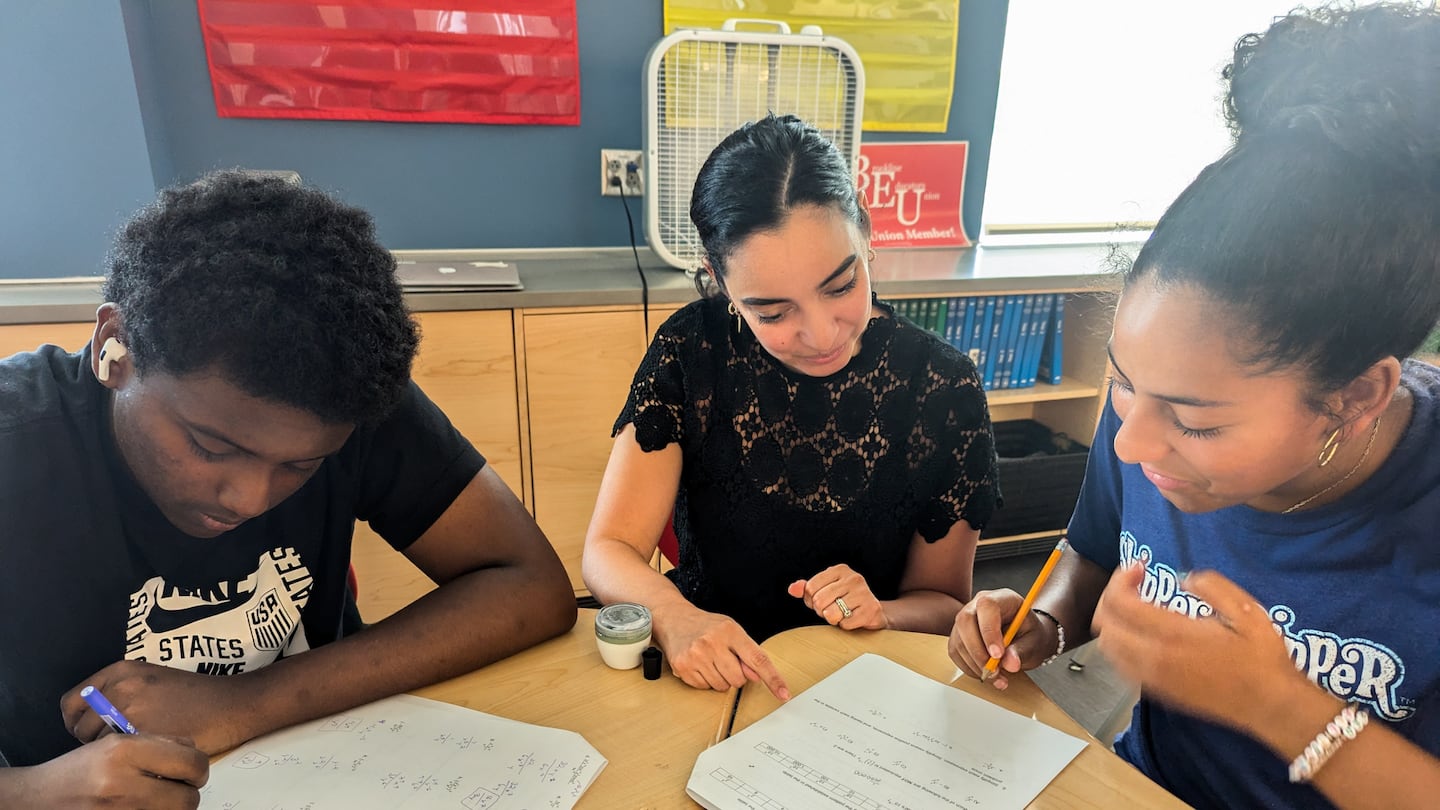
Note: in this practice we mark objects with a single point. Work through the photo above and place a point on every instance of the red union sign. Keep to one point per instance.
(914, 191)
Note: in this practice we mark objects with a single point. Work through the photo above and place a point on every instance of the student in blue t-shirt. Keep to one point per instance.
(1264, 432)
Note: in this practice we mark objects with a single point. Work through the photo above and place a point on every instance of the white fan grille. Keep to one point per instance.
(705, 84)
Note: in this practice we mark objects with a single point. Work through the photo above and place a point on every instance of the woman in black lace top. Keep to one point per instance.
(824, 460)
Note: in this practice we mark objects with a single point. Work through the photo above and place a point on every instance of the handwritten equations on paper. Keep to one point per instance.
(406, 752)
(876, 735)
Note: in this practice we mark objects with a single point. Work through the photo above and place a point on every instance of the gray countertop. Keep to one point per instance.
(607, 276)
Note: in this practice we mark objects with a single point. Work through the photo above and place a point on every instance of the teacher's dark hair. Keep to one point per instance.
(759, 174)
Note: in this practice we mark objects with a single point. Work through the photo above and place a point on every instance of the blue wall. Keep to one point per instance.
(73, 163)
(428, 185)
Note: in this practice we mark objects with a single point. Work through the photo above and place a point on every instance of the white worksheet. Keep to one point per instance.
(405, 752)
(877, 735)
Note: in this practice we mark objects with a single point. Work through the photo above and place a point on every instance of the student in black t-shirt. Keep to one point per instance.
(824, 461)
(177, 501)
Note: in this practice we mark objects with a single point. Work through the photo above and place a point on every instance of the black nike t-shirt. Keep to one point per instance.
(92, 573)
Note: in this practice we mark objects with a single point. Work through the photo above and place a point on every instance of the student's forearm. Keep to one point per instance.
(922, 611)
(1378, 769)
(471, 621)
(1071, 594)
(15, 787)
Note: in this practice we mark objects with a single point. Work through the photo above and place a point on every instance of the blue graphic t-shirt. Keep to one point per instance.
(1353, 587)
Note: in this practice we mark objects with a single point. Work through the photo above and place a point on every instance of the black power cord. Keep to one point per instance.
(630, 169)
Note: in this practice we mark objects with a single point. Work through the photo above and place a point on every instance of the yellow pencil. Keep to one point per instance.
(994, 663)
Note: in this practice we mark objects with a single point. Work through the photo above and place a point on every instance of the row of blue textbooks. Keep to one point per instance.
(1013, 340)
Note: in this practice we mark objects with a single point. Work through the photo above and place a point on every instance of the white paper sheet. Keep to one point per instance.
(406, 752)
(877, 735)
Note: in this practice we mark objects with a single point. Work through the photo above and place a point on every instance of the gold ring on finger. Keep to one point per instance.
(845, 610)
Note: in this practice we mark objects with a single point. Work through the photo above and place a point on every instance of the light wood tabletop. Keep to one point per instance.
(650, 731)
(1097, 778)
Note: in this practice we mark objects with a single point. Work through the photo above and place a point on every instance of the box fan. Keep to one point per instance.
(702, 84)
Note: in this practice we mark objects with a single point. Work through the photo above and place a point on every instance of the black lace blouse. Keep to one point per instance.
(785, 475)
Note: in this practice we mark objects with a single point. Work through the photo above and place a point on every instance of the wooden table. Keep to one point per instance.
(1097, 778)
(650, 731)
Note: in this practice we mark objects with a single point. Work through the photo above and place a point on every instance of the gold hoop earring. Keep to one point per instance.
(739, 322)
(1327, 451)
(870, 255)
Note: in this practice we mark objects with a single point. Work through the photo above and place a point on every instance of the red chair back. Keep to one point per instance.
(669, 543)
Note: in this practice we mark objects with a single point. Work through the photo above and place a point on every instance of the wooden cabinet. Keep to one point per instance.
(578, 367)
(467, 365)
(27, 337)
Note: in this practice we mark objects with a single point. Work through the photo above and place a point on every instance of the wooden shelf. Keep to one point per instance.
(1043, 392)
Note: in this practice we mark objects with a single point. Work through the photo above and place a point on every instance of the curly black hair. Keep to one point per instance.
(282, 289)
(1319, 230)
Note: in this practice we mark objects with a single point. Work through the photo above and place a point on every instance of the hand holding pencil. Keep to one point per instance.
(982, 617)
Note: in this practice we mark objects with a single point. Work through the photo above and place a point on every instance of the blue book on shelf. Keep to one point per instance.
(1020, 377)
(964, 321)
(1012, 337)
(1005, 343)
(1041, 328)
(1052, 361)
(952, 324)
(1013, 350)
(974, 311)
(988, 339)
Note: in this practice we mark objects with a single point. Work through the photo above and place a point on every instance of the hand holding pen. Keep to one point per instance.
(977, 645)
(122, 770)
(110, 715)
(993, 665)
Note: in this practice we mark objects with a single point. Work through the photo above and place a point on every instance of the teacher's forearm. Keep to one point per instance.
(922, 611)
(615, 572)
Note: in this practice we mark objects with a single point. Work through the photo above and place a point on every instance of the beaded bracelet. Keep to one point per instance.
(1345, 726)
(1059, 631)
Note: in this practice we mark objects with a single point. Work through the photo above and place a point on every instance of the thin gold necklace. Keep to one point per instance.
(1374, 431)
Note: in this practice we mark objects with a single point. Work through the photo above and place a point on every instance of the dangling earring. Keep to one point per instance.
(1327, 451)
(739, 322)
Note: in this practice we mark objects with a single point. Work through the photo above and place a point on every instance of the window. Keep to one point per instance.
(1107, 110)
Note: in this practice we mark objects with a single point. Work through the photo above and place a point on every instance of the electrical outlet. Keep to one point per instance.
(621, 168)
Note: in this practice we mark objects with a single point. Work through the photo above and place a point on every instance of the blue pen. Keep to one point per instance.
(111, 715)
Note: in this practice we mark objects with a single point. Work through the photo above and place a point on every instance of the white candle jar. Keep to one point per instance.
(622, 632)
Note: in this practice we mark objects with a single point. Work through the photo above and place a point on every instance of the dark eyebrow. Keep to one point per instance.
(1193, 402)
(220, 437)
(848, 262)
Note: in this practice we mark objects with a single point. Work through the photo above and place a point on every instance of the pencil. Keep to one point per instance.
(994, 663)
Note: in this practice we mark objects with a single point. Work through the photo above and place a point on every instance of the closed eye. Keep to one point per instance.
(1195, 433)
(201, 452)
(1124, 387)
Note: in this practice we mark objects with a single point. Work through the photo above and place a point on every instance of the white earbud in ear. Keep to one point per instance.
(111, 351)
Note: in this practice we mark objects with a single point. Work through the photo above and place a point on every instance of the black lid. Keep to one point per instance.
(650, 663)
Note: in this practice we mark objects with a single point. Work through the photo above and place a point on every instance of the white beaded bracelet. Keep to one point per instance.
(1345, 726)
(1059, 631)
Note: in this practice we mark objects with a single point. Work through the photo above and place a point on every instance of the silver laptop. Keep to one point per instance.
(457, 276)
